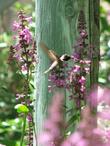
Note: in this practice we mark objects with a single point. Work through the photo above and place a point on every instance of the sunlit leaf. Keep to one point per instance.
(21, 108)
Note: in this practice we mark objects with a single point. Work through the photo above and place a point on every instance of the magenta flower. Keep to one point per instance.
(76, 68)
(105, 114)
(29, 117)
(75, 56)
(29, 19)
(17, 47)
(87, 69)
(19, 96)
(82, 80)
(52, 135)
(82, 89)
(16, 26)
(24, 50)
(87, 132)
(24, 68)
(98, 96)
(17, 57)
(26, 35)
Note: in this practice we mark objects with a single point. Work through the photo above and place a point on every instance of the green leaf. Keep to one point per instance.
(102, 80)
(32, 85)
(72, 119)
(21, 108)
(3, 45)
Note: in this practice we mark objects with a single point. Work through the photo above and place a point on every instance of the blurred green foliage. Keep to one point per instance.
(11, 82)
(104, 74)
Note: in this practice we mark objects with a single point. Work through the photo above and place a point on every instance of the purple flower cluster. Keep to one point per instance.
(24, 54)
(57, 78)
(24, 49)
(73, 78)
(81, 67)
(77, 77)
(81, 44)
(20, 98)
(98, 95)
(88, 132)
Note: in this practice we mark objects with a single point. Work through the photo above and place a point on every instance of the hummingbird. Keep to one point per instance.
(57, 61)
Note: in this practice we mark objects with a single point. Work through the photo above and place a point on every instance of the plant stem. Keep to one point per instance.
(34, 129)
(23, 132)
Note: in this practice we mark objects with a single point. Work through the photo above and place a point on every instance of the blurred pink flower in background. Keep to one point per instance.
(99, 95)
(52, 135)
(16, 26)
(87, 133)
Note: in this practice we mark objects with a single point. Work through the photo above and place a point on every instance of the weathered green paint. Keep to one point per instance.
(56, 26)
(5, 4)
(94, 40)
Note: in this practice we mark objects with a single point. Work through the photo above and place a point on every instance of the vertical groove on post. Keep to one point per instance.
(94, 40)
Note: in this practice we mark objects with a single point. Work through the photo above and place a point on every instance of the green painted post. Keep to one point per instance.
(56, 26)
(94, 39)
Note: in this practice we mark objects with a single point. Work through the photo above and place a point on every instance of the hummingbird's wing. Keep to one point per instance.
(51, 54)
